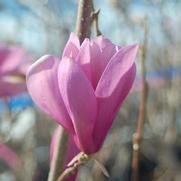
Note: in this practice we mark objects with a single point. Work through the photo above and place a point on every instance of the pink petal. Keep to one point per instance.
(42, 85)
(72, 47)
(83, 58)
(80, 101)
(112, 89)
(72, 151)
(101, 52)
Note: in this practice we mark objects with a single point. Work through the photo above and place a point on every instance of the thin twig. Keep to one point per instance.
(57, 164)
(79, 160)
(68, 172)
(74, 164)
(95, 19)
(137, 136)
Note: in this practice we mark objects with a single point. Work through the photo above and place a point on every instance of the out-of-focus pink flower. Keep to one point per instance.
(9, 156)
(84, 89)
(13, 65)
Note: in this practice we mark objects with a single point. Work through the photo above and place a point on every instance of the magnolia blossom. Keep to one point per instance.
(12, 70)
(84, 88)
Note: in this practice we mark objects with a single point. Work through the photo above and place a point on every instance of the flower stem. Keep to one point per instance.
(74, 165)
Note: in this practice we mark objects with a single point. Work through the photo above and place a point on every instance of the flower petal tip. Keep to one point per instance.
(39, 61)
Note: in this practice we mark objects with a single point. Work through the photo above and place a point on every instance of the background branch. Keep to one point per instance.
(57, 164)
(137, 136)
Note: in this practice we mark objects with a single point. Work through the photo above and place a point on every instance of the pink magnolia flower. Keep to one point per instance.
(12, 70)
(84, 89)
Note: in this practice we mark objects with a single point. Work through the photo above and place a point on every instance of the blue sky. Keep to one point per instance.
(25, 25)
(112, 25)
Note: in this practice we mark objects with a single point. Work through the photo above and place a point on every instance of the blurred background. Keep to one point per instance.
(42, 27)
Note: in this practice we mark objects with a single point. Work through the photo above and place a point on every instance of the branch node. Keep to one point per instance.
(95, 18)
